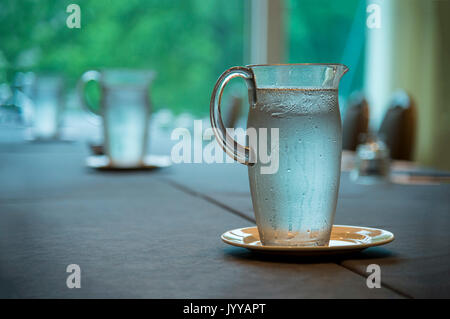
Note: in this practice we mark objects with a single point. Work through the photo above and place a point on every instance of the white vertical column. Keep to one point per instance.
(379, 56)
(258, 31)
(266, 31)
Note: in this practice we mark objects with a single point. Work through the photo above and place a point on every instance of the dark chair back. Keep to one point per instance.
(398, 128)
(356, 121)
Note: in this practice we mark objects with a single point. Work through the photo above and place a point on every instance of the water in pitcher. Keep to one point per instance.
(296, 205)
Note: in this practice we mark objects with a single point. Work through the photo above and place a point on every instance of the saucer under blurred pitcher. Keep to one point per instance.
(295, 204)
(125, 110)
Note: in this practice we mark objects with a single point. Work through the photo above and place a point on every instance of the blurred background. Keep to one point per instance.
(398, 53)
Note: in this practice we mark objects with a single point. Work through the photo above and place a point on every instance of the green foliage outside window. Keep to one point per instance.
(328, 31)
(189, 43)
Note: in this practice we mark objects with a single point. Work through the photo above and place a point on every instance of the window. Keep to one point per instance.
(328, 31)
(189, 43)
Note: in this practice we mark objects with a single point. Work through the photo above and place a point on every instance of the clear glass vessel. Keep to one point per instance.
(125, 110)
(295, 203)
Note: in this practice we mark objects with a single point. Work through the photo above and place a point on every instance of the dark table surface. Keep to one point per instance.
(156, 234)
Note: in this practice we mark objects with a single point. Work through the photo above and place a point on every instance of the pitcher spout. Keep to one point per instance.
(333, 75)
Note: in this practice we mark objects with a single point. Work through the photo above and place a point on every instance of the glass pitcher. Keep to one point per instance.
(125, 110)
(295, 204)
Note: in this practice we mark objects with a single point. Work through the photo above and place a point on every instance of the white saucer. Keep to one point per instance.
(150, 162)
(344, 239)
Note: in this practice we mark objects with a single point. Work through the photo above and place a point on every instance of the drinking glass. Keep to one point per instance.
(46, 93)
(372, 161)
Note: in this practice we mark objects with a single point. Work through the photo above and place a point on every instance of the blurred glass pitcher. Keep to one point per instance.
(125, 110)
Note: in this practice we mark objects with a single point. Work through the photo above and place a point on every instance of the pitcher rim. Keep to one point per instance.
(296, 64)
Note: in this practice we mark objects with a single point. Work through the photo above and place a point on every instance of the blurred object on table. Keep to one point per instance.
(44, 114)
(356, 121)
(347, 161)
(163, 120)
(22, 92)
(398, 127)
(372, 162)
(125, 111)
(5, 93)
(96, 148)
(403, 172)
(10, 106)
(234, 111)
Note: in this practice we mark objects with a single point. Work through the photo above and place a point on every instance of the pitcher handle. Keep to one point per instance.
(88, 76)
(242, 154)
